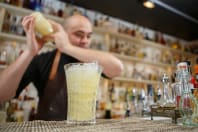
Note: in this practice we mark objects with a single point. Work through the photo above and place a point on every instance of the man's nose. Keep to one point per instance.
(84, 40)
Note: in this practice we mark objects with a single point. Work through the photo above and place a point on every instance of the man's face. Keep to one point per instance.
(80, 35)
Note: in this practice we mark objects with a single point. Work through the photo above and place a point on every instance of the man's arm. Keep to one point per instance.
(112, 66)
(11, 76)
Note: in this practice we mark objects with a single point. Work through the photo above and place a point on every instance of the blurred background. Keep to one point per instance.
(150, 41)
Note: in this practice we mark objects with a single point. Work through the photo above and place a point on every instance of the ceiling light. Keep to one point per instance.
(148, 4)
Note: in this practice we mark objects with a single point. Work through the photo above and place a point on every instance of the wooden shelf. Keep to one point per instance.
(23, 11)
(103, 31)
(22, 39)
(3, 67)
(130, 58)
(7, 36)
(139, 41)
(123, 79)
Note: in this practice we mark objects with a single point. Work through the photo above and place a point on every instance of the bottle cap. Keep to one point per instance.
(182, 66)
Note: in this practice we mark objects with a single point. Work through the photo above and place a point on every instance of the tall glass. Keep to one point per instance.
(82, 83)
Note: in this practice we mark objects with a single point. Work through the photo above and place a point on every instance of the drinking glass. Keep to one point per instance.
(82, 83)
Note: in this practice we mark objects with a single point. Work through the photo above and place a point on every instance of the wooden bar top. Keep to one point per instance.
(102, 125)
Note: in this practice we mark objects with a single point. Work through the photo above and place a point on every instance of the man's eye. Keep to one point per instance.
(88, 36)
(79, 35)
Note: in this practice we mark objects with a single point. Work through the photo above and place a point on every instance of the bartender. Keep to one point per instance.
(72, 41)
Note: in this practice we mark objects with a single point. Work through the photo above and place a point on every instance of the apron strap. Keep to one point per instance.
(55, 65)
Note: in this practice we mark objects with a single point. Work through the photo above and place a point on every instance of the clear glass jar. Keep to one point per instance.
(188, 105)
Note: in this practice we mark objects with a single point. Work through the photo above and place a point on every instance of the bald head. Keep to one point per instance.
(76, 21)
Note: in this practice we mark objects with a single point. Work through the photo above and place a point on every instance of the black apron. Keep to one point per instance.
(53, 103)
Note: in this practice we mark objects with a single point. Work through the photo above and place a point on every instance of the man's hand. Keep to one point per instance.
(60, 37)
(33, 44)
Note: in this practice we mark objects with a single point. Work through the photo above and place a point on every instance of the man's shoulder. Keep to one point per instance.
(47, 54)
(44, 56)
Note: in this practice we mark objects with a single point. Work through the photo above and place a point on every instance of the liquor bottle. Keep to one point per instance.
(192, 79)
(112, 93)
(6, 23)
(108, 108)
(96, 22)
(162, 41)
(176, 90)
(3, 57)
(17, 2)
(13, 26)
(176, 45)
(196, 70)
(128, 100)
(3, 114)
(150, 98)
(159, 94)
(128, 110)
(32, 112)
(11, 110)
(38, 5)
(7, 1)
(196, 79)
(159, 38)
(146, 37)
(19, 115)
(32, 4)
(26, 4)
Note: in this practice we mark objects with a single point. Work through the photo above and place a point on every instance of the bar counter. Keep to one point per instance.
(102, 125)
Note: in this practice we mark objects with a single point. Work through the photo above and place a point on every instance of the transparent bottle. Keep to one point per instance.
(188, 105)
(165, 99)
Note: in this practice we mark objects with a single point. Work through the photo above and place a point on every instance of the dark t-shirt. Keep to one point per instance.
(39, 69)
